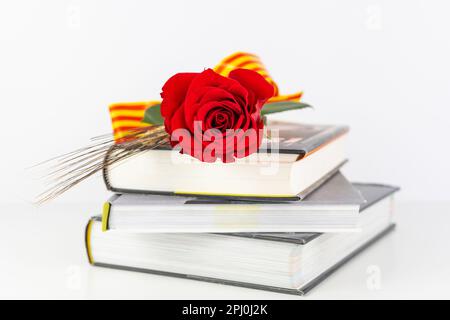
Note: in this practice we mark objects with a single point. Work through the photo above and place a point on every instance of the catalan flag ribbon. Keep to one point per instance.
(243, 60)
(128, 116)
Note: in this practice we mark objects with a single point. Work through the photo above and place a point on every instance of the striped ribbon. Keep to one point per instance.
(127, 116)
(243, 60)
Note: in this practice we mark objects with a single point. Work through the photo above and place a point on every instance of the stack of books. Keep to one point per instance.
(282, 219)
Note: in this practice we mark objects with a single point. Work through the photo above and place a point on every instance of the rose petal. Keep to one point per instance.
(254, 82)
(177, 120)
(229, 110)
(244, 148)
(209, 78)
(205, 96)
(180, 136)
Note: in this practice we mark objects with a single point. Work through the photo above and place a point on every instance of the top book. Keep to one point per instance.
(290, 164)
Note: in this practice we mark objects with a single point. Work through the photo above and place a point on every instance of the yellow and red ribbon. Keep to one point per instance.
(127, 116)
(243, 60)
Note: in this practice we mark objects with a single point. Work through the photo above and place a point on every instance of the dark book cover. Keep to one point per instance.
(372, 193)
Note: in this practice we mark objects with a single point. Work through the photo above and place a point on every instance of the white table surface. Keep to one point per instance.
(43, 256)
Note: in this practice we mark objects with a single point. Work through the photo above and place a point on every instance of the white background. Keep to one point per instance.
(380, 66)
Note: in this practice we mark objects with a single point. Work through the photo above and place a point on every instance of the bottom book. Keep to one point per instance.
(282, 262)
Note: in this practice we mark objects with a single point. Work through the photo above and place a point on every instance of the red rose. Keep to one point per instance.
(214, 117)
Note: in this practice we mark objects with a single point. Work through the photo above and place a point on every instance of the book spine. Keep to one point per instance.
(106, 168)
(105, 216)
(87, 241)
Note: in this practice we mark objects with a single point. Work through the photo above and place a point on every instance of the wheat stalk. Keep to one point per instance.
(69, 170)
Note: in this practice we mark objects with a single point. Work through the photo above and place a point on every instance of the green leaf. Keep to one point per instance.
(153, 115)
(275, 107)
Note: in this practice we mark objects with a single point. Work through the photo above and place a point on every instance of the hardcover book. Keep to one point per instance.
(282, 262)
(333, 207)
(295, 160)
